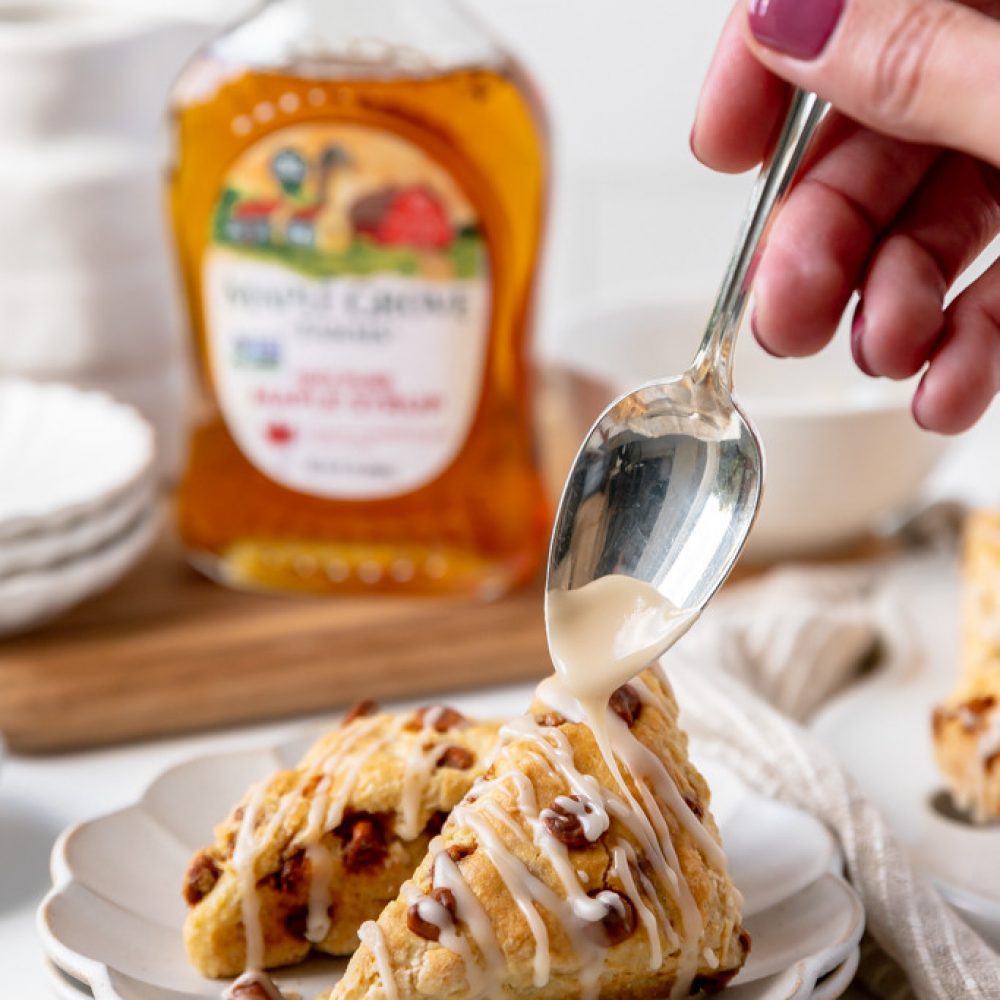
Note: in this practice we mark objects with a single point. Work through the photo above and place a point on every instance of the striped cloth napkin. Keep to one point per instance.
(776, 649)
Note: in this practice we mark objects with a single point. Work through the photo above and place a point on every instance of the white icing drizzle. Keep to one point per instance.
(421, 761)
(244, 858)
(337, 768)
(446, 875)
(595, 822)
(370, 934)
(320, 895)
(621, 868)
(523, 887)
(254, 978)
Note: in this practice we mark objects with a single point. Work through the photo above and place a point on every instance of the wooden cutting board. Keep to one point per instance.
(168, 652)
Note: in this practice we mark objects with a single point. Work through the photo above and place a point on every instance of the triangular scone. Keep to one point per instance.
(314, 852)
(550, 882)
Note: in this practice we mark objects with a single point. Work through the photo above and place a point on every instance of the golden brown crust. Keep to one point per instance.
(370, 853)
(966, 727)
(425, 968)
(966, 731)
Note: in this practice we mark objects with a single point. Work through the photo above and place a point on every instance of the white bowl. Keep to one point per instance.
(90, 66)
(30, 599)
(842, 451)
(65, 455)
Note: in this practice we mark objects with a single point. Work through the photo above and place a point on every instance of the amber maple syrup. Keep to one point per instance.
(359, 247)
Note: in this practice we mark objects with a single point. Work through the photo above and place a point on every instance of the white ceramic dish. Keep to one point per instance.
(113, 920)
(54, 59)
(30, 599)
(65, 454)
(827, 429)
(889, 752)
(42, 550)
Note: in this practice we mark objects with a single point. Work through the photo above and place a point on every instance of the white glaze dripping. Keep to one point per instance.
(370, 934)
(244, 862)
(446, 875)
(256, 978)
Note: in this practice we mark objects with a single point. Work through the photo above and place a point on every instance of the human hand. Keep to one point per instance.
(899, 194)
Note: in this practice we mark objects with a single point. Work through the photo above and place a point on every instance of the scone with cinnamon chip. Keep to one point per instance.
(312, 853)
(966, 727)
(557, 877)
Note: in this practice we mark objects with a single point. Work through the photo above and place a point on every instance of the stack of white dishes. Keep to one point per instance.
(78, 498)
(86, 272)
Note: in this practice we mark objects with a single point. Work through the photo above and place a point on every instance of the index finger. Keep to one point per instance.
(741, 107)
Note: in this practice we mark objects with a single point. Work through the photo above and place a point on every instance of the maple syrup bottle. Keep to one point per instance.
(358, 196)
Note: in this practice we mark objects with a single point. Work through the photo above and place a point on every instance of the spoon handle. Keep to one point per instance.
(715, 356)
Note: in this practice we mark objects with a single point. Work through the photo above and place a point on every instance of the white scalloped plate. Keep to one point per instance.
(65, 454)
(113, 920)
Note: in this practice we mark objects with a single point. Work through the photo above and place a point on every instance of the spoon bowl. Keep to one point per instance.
(665, 489)
(667, 484)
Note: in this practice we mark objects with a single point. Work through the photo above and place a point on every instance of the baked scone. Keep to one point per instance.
(967, 745)
(966, 727)
(312, 853)
(553, 880)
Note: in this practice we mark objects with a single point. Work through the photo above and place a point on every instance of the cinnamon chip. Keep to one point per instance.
(565, 826)
(202, 874)
(297, 922)
(360, 711)
(459, 851)
(457, 759)
(440, 717)
(291, 874)
(435, 823)
(626, 704)
(619, 922)
(421, 927)
(695, 806)
(365, 842)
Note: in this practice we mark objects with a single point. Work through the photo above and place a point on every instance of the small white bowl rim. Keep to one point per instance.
(889, 397)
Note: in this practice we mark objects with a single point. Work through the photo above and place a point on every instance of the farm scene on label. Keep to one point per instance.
(349, 201)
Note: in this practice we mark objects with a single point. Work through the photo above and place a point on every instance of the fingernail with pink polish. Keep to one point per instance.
(797, 28)
(857, 347)
(757, 337)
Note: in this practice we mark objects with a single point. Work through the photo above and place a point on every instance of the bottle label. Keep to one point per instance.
(347, 302)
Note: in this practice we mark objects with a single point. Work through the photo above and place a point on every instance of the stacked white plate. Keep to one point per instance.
(78, 497)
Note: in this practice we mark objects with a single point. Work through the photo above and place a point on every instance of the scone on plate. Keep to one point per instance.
(312, 853)
(967, 745)
(556, 878)
(966, 727)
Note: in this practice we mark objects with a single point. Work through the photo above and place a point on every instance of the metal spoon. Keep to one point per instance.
(667, 484)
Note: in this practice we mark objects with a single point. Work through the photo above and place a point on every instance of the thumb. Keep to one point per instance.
(921, 70)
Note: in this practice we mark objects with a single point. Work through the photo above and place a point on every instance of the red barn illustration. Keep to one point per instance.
(413, 217)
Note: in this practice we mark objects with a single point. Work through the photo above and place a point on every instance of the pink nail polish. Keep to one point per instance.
(857, 347)
(757, 337)
(797, 28)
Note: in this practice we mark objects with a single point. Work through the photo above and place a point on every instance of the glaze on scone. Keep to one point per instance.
(966, 728)
(550, 881)
(312, 853)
